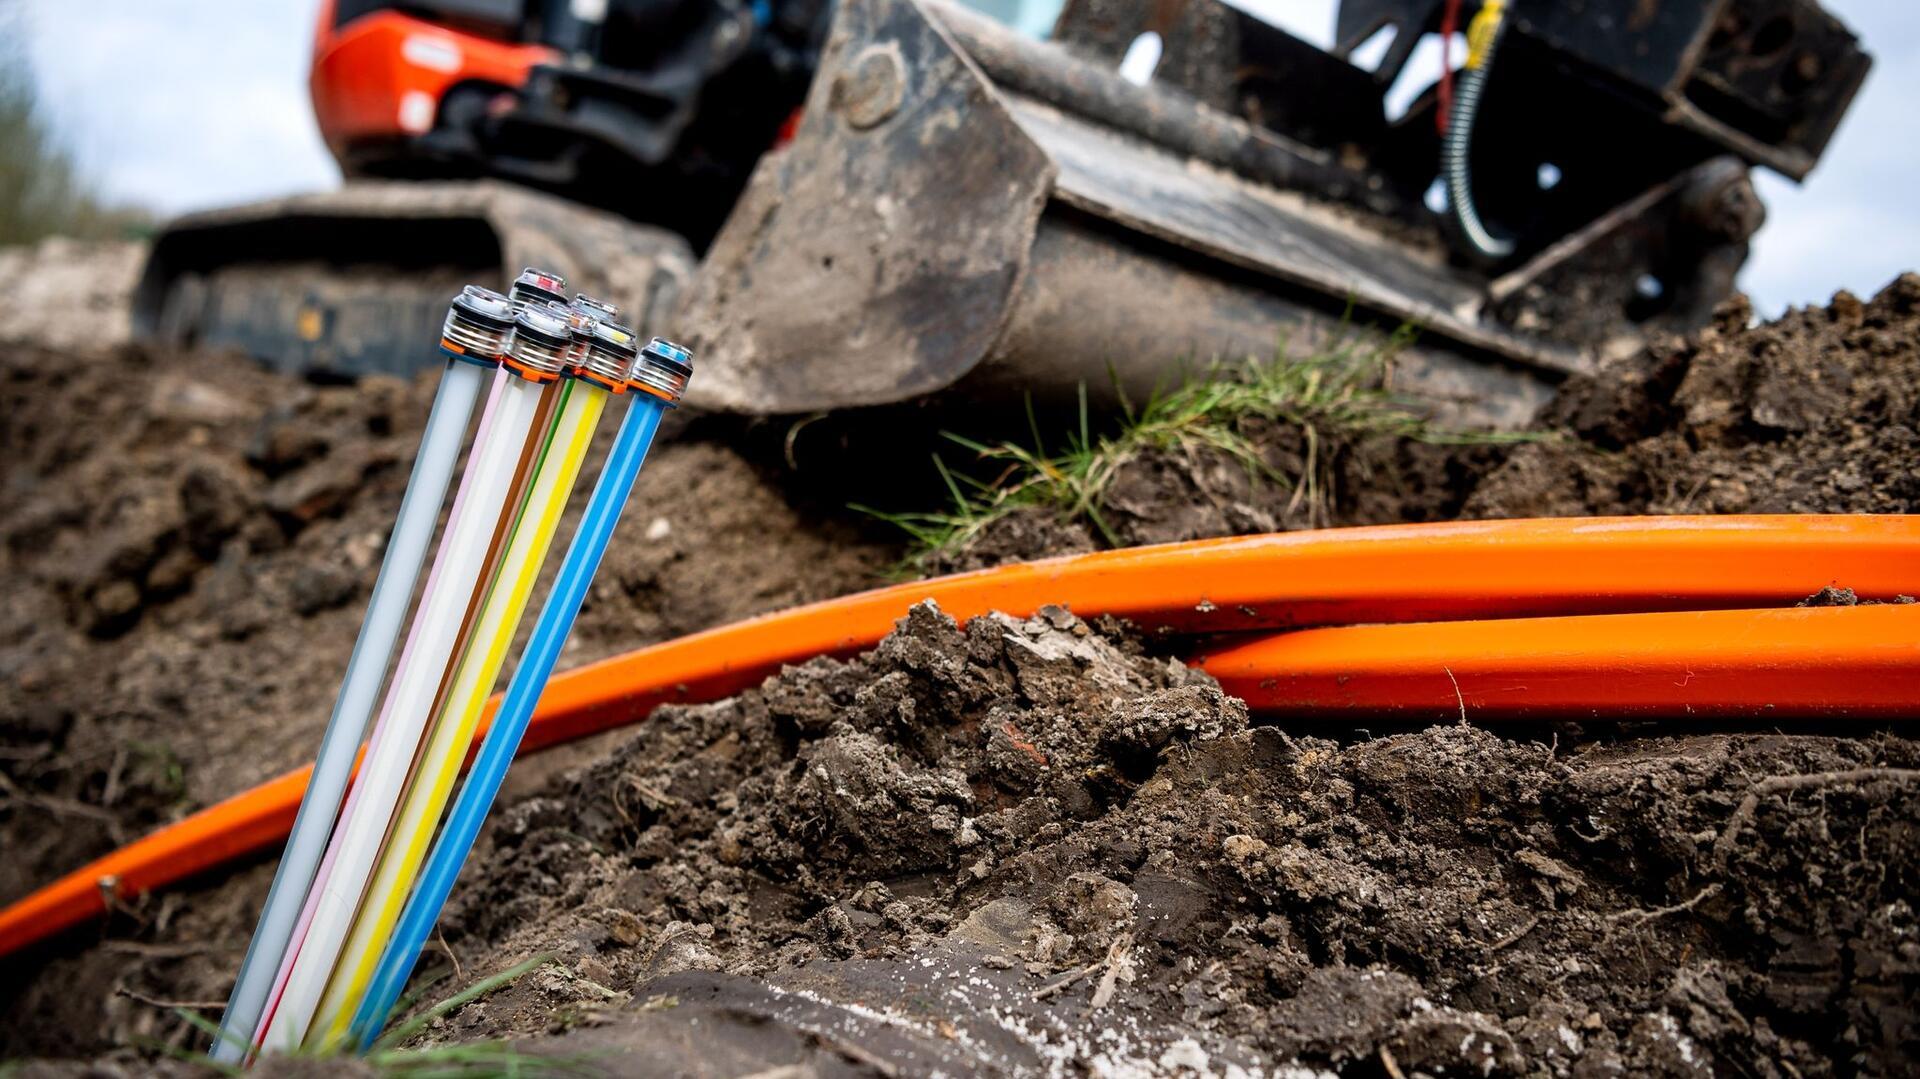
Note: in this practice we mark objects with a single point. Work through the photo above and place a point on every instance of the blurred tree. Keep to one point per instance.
(42, 190)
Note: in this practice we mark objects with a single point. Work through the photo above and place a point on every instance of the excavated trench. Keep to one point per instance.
(1031, 847)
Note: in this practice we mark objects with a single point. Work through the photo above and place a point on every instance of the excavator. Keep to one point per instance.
(851, 203)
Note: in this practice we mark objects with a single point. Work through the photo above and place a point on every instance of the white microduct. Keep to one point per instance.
(389, 758)
(450, 735)
(433, 468)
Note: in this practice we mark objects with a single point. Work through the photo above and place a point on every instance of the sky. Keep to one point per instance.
(186, 104)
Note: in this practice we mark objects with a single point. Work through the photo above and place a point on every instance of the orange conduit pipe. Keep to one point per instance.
(1819, 661)
(1394, 573)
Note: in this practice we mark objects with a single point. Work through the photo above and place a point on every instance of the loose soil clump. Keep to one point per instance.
(1818, 412)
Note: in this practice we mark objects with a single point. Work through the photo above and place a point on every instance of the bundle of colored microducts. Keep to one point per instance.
(362, 880)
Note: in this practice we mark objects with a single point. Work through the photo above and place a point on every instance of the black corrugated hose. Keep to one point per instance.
(1483, 39)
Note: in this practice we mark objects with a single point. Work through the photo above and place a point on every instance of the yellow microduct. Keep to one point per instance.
(453, 729)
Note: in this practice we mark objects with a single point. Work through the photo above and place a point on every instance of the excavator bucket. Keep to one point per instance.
(966, 211)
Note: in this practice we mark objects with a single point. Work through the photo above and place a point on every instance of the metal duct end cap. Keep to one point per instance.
(586, 313)
(663, 369)
(535, 287)
(597, 310)
(610, 353)
(667, 352)
(541, 340)
(477, 325)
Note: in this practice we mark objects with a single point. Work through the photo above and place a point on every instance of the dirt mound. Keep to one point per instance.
(1818, 412)
(1023, 844)
(188, 546)
(1021, 847)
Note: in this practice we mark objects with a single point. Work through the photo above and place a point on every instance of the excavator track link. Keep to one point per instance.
(347, 283)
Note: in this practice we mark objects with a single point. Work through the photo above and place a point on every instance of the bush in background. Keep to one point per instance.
(42, 190)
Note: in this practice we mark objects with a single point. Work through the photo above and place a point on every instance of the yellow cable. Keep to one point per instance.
(466, 698)
(1481, 30)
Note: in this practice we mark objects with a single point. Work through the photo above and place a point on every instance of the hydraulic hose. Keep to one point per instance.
(1525, 569)
(1456, 146)
(472, 339)
(502, 741)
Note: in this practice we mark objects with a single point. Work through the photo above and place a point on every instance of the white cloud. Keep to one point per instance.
(183, 104)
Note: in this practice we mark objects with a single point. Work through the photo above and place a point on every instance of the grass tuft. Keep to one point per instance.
(1332, 395)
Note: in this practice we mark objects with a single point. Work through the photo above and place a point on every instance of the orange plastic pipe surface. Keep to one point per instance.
(1819, 661)
(1396, 573)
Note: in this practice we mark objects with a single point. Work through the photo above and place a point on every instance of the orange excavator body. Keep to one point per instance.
(382, 75)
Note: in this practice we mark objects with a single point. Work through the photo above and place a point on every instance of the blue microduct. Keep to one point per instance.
(497, 750)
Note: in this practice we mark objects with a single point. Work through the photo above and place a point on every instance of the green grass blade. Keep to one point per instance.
(207, 1026)
(961, 503)
(473, 992)
(1086, 443)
